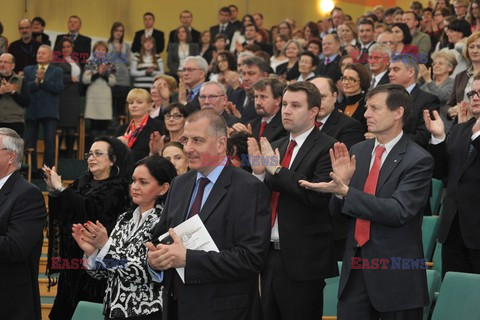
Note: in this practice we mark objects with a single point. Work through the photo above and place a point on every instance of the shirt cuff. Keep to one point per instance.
(475, 135)
(434, 140)
(103, 252)
(157, 276)
(91, 261)
(260, 177)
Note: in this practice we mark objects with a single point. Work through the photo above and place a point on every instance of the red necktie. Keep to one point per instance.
(327, 61)
(262, 128)
(189, 95)
(318, 124)
(362, 227)
(197, 202)
(285, 164)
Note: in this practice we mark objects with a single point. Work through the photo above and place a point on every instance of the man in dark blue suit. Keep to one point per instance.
(45, 83)
(81, 44)
(383, 190)
(149, 31)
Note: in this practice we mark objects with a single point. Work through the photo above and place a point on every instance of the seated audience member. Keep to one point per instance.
(285, 28)
(173, 152)
(163, 91)
(71, 104)
(289, 70)
(225, 62)
(24, 49)
(252, 36)
(148, 32)
(473, 16)
(402, 40)
(355, 82)
(268, 101)
(315, 47)
(3, 41)
(38, 34)
(213, 95)
(329, 65)
(419, 39)
(224, 26)
(347, 33)
(14, 95)
(458, 32)
(379, 62)
(379, 28)
(175, 115)
(307, 64)
(23, 221)
(181, 49)
(310, 31)
(441, 85)
(192, 78)
(366, 39)
(239, 35)
(206, 48)
(146, 65)
(120, 56)
(387, 39)
(45, 83)
(81, 43)
(119, 256)
(186, 18)
(101, 194)
(457, 160)
(100, 77)
(237, 150)
(136, 134)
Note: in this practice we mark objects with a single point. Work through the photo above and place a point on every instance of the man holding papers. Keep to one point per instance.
(234, 207)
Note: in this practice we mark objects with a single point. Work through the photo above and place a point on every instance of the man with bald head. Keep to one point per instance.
(13, 95)
(24, 49)
(45, 82)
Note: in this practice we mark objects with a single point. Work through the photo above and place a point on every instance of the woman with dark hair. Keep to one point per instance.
(173, 152)
(206, 48)
(146, 64)
(237, 150)
(355, 81)
(310, 31)
(403, 40)
(70, 104)
(119, 256)
(473, 16)
(38, 26)
(100, 194)
(136, 134)
(175, 115)
(238, 37)
(457, 32)
(120, 56)
(3, 40)
(289, 69)
(278, 57)
(180, 50)
(285, 28)
(224, 62)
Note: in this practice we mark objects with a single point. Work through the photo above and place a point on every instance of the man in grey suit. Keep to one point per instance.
(383, 189)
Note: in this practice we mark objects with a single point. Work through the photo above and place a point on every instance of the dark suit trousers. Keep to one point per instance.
(284, 299)
(455, 254)
(355, 304)
(31, 135)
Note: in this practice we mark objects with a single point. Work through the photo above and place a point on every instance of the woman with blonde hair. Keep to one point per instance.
(347, 32)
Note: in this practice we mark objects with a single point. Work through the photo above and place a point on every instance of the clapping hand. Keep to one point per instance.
(156, 143)
(52, 179)
(166, 256)
(435, 126)
(90, 236)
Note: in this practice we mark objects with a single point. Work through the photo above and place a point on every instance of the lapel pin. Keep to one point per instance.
(395, 160)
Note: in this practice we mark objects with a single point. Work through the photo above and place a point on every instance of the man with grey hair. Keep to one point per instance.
(379, 57)
(404, 71)
(22, 219)
(234, 207)
(214, 96)
(14, 96)
(192, 77)
(45, 83)
(24, 49)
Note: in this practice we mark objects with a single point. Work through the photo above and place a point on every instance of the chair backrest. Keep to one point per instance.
(88, 310)
(430, 226)
(437, 195)
(330, 293)
(434, 281)
(437, 258)
(459, 297)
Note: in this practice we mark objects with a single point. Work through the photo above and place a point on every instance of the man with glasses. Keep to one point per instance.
(379, 61)
(25, 49)
(457, 160)
(192, 77)
(14, 96)
(214, 96)
(22, 219)
(404, 71)
(387, 39)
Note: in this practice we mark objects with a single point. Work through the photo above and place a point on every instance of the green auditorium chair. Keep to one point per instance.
(436, 198)
(88, 310)
(330, 293)
(430, 226)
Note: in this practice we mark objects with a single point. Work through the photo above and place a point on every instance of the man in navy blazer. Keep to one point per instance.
(22, 219)
(149, 31)
(234, 208)
(224, 25)
(45, 83)
(81, 44)
(383, 190)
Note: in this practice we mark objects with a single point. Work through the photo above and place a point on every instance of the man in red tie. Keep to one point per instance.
(383, 189)
(302, 247)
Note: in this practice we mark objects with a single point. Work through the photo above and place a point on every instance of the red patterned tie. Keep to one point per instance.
(285, 164)
(262, 128)
(197, 202)
(362, 227)
(318, 124)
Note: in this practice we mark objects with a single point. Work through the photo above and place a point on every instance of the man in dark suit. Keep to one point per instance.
(213, 95)
(457, 159)
(302, 250)
(233, 206)
(366, 39)
(383, 190)
(250, 34)
(253, 69)
(22, 219)
(379, 62)
(193, 76)
(233, 17)
(268, 99)
(329, 66)
(404, 71)
(186, 18)
(45, 83)
(149, 31)
(224, 26)
(24, 49)
(81, 44)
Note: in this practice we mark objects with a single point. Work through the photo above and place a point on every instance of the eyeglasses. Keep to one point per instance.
(472, 94)
(189, 69)
(348, 79)
(176, 116)
(210, 97)
(95, 154)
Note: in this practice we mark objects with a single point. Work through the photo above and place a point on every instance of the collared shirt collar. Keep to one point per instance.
(379, 76)
(300, 139)
(196, 89)
(4, 179)
(366, 46)
(213, 176)
(332, 57)
(324, 119)
(410, 87)
(388, 146)
(269, 118)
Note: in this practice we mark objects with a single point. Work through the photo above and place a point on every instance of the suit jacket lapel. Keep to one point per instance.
(465, 145)
(363, 163)
(188, 189)
(7, 187)
(394, 157)
(306, 146)
(217, 193)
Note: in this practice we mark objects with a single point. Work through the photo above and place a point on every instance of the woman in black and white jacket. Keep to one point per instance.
(121, 257)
